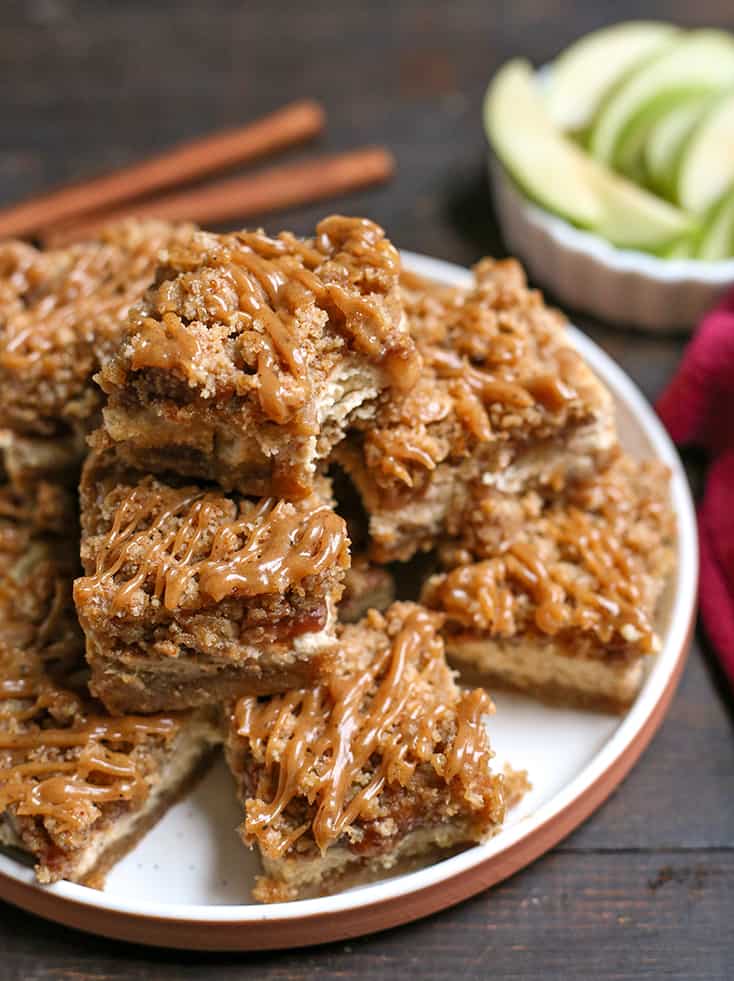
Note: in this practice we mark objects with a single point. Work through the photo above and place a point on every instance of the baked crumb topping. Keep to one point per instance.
(388, 743)
(498, 367)
(150, 543)
(587, 566)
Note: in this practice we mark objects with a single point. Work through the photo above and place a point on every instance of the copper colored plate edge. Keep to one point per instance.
(320, 928)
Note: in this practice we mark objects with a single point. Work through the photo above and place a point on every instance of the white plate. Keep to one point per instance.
(187, 883)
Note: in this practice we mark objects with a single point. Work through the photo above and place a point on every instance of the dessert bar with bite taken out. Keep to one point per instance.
(192, 595)
(252, 353)
(384, 761)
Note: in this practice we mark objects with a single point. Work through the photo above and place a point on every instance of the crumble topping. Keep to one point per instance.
(498, 368)
(587, 566)
(186, 546)
(246, 313)
(387, 743)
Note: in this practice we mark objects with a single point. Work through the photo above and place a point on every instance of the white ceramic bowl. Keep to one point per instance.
(585, 272)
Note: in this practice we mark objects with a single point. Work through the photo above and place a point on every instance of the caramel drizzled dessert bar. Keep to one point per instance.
(503, 396)
(192, 595)
(557, 595)
(77, 788)
(251, 354)
(385, 760)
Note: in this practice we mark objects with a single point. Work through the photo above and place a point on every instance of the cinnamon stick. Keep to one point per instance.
(290, 125)
(237, 198)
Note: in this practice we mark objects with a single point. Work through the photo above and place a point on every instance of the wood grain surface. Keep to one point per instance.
(646, 888)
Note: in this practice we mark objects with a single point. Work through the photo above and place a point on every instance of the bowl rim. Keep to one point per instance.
(718, 273)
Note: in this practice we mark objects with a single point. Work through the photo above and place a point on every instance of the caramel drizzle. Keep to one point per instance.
(275, 281)
(402, 450)
(482, 402)
(482, 596)
(285, 288)
(360, 733)
(546, 389)
(268, 549)
(84, 771)
(482, 347)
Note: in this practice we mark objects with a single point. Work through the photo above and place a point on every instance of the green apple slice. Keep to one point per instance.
(633, 217)
(682, 249)
(717, 240)
(629, 157)
(586, 71)
(563, 179)
(667, 137)
(547, 166)
(700, 59)
(706, 166)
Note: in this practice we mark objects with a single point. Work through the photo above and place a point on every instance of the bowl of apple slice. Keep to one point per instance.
(613, 171)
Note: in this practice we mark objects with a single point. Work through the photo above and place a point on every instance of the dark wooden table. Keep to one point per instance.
(644, 888)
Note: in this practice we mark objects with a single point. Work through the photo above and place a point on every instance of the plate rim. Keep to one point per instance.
(416, 894)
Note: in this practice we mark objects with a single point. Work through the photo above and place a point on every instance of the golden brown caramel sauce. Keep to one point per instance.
(167, 345)
(127, 729)
(496, 353)
(405, 447)
(477, 401)
(169, 539)
(401, 452)
(488, 387)
(339, 744)
(552, 392)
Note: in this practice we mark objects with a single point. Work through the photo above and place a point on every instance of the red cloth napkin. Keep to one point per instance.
(698, 409)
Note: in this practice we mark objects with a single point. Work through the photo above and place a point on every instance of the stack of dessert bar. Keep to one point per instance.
(263, 433)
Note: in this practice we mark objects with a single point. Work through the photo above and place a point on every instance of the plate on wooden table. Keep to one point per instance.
(187, 883)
